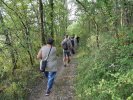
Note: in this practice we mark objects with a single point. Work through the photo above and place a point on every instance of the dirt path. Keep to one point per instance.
(63, 88)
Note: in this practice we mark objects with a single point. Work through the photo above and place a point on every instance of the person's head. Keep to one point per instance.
(69, 37)
(72, 37)
(50, 41)
(66, 36)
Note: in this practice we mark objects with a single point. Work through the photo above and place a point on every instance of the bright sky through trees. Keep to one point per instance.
(72, 10)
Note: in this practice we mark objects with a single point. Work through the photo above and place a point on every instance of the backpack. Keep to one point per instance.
(72, 41)
(65, 45)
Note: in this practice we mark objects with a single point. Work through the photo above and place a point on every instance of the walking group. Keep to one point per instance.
(47, 54)
(69, 45)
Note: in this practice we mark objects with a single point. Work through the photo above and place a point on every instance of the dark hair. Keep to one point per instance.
(72, 37)
(66, 36)
(50, 41)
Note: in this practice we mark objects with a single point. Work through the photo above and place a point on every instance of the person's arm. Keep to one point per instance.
(70, 44)
(62, 42)
(39, 55)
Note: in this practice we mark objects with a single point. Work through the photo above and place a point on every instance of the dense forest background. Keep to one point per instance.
(105, 55)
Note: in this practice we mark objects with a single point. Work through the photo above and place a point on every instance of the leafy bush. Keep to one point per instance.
(105, 73)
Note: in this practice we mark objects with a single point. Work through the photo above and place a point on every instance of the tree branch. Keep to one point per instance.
(82, 5)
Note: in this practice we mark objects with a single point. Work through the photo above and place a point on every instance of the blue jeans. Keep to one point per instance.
(50, 76)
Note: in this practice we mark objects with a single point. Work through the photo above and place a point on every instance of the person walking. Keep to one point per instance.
(78, 39)
(75, 41)
(66, 45)
(73, 45)
(51, 69)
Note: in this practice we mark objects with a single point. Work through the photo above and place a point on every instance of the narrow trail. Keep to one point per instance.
(63, 89)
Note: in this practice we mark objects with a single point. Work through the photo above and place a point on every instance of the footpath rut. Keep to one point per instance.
(63, 88)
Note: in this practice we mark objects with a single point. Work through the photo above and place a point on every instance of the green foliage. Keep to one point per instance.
(105, 69)
(106, 46)
(74, 28)
(13, 92)
(20, 41)
(106, 73)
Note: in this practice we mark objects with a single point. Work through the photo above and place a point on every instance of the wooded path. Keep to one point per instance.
(63, 88)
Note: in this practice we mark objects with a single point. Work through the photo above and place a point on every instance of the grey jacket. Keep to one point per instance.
(52, 59)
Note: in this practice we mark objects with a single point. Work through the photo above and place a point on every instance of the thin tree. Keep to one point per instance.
(42, 22)
(51, 17)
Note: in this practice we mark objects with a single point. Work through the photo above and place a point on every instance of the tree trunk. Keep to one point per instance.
(97, 35)
(116, 21)
(42, 22)
(51, 16)
(97, 32)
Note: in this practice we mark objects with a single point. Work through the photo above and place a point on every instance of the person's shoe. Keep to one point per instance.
(47, 93)
(64, 65)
